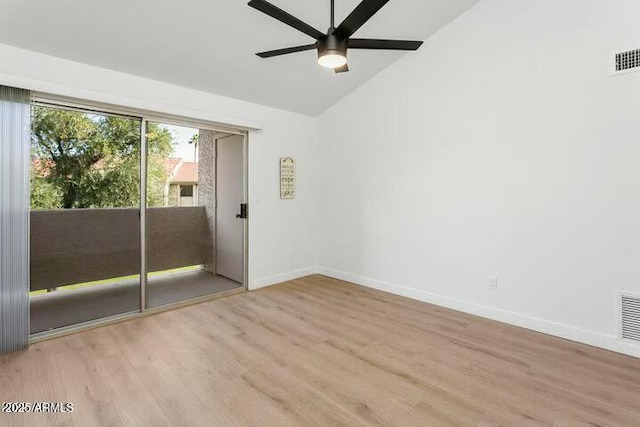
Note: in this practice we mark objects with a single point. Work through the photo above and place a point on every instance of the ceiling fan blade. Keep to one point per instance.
(384, 44)
(286, 51)
(282, 16)
(361, 14)
(343, 69)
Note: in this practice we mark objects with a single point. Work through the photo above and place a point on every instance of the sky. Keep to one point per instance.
(181, 136)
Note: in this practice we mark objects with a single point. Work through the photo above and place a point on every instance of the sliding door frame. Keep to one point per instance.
(146, 116)
(143, 215)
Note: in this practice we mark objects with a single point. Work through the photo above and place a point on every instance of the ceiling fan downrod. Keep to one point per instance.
(333, 15)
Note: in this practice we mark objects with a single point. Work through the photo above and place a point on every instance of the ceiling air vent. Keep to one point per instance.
(631, 317)
(626, 62)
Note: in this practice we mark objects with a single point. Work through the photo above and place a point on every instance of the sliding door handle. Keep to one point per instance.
(243, 211)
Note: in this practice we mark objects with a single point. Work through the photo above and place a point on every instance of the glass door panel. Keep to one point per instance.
(85, 217)
(180, 215)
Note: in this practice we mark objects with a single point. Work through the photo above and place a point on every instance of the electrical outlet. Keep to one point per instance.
(493, 284)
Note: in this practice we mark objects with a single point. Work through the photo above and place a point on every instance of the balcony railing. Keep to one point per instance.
(71, 246)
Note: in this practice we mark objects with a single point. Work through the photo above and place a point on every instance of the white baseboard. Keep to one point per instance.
(608, 342)
(282, 277)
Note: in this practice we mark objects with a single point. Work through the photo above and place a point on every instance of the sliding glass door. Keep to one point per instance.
(124, 214)
(85, 216)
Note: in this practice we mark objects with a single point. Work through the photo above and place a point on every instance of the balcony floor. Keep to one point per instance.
(63, 308)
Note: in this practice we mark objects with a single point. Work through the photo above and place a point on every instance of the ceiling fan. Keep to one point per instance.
(332, 47)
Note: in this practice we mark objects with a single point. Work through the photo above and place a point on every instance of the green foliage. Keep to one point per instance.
(91, 161)
(44, 194)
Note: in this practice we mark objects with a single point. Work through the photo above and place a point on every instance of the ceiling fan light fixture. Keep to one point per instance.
(332, 52)
(332, 59)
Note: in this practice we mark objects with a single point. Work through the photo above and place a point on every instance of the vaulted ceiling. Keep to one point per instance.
(211, 44)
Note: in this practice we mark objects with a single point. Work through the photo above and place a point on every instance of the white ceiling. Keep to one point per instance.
(210, 44)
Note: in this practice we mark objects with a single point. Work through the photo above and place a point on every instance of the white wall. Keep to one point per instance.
(502, 148)
(282, 234)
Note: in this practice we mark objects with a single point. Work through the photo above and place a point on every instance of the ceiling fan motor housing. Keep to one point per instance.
(332, 45)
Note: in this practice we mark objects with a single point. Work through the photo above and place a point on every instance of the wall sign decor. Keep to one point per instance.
(287, 178)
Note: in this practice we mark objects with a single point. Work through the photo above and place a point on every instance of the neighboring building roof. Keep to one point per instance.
(187, 172)
(42, 167)
(170, 164)
(181, 171)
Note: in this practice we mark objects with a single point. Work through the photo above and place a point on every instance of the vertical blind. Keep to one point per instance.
(15, 129)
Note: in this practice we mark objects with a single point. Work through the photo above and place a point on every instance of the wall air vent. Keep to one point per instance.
(630, 317)
(627, 62)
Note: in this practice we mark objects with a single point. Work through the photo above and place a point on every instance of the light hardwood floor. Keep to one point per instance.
(318, 351)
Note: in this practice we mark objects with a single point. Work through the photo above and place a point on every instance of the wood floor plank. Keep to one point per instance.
(165, 386)
(319, 351)
(133, 401)
(92, 404)
(442, 413)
